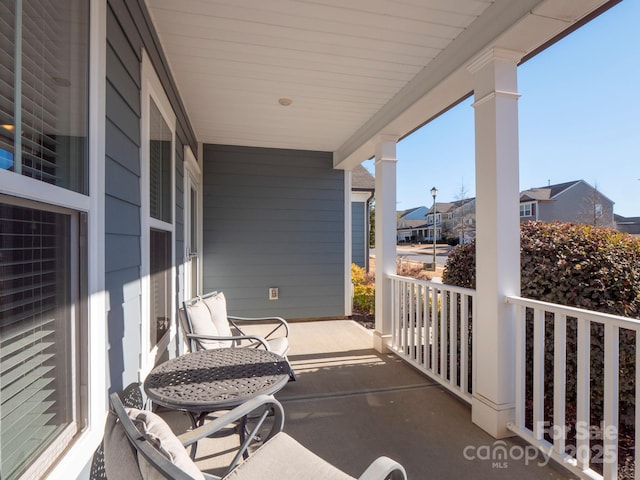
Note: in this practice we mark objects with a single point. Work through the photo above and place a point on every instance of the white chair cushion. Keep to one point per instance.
(284, 458)
(217, 305)
(279, 345)
(159, 435)
(201, 324)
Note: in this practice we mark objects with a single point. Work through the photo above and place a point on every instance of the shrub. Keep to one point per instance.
(460, 268)
(594, 268)
(364, 290)
(588, 267)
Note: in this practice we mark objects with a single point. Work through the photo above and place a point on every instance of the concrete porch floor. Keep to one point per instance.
(351, 405)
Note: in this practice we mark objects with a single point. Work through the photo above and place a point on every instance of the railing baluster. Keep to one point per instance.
(521, 329)
(394, 313)
(583, 389)
(425, 326)
(435, 333)
(444, 315)
(412, 323)
(453, 339)
(405, 333)
(429, 317)
(611, 401)
(464, 342)
(538, 374)
(559, 382)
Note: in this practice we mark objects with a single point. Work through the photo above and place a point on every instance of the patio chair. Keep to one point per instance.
(129, 397)
(207, 325)
(158, 453)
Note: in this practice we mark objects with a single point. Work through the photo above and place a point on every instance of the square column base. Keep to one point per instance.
(381, 342)
(492, 418)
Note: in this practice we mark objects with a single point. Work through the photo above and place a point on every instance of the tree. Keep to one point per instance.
(591, 212)
(463, 213)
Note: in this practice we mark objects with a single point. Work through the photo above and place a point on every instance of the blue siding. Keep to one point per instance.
(274, 218)
(358, 234)
(129, 31)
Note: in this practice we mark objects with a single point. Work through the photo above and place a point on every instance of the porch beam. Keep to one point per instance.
(494, 74)
(385, 196)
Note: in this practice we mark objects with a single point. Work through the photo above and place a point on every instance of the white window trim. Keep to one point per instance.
(78, 457)
(192, 177)
(152, 88)
(525, 204)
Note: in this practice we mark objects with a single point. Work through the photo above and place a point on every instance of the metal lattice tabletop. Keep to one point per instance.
(214, 379)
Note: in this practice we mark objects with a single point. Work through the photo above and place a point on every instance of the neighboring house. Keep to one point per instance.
(411, 225)
(452, 220)
(363, 186)
(628, 224)
(576, 202)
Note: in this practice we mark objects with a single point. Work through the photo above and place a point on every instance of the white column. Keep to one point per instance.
(497, 237)
(385, 196)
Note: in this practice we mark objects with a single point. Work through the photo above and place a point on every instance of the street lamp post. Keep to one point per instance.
(434, 192)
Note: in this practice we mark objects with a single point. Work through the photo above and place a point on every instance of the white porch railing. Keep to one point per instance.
(432, 328)
(570, 345)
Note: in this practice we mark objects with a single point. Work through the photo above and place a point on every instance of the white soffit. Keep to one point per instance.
(352, 68)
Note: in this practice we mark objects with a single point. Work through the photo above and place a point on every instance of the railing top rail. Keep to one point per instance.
(590, 315)
(441, 286)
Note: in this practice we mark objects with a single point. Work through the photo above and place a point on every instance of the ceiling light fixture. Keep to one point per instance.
(285, 102)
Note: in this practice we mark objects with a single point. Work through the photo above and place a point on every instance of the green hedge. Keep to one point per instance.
(589, 267)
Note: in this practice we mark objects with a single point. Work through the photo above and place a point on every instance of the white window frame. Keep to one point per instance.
(152, 89)
(524, 209)
(78, 455)
(597, 210)
(192, 179)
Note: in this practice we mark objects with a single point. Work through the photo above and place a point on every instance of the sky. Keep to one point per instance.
(579, 118)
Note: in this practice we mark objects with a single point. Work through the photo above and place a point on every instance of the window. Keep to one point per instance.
(157, 239)
(160, 202)
(597, 210)
(160, 284)
(39, 329)
(160, 145)
(44, 95)
(526, 209)
(43, 92)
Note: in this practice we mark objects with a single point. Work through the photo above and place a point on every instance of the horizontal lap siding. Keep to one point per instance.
(122, 203)
(129, 31)
(274, 218)
(358, 234)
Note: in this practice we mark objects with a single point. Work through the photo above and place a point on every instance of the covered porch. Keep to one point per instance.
(218, 150)
(352, 404)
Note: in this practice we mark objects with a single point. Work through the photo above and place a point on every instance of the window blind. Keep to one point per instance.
(159, 166)
(35, 397)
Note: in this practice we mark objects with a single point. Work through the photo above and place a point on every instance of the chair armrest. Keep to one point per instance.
(236, 338)
(261, 406)
(383, 468)
(279, 320)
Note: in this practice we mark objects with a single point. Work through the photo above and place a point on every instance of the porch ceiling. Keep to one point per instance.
(353, 68)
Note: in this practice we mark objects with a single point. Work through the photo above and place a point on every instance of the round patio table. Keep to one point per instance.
(210, 380)
(202, 382)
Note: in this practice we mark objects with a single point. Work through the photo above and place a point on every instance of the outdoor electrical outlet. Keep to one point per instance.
(273, 293)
